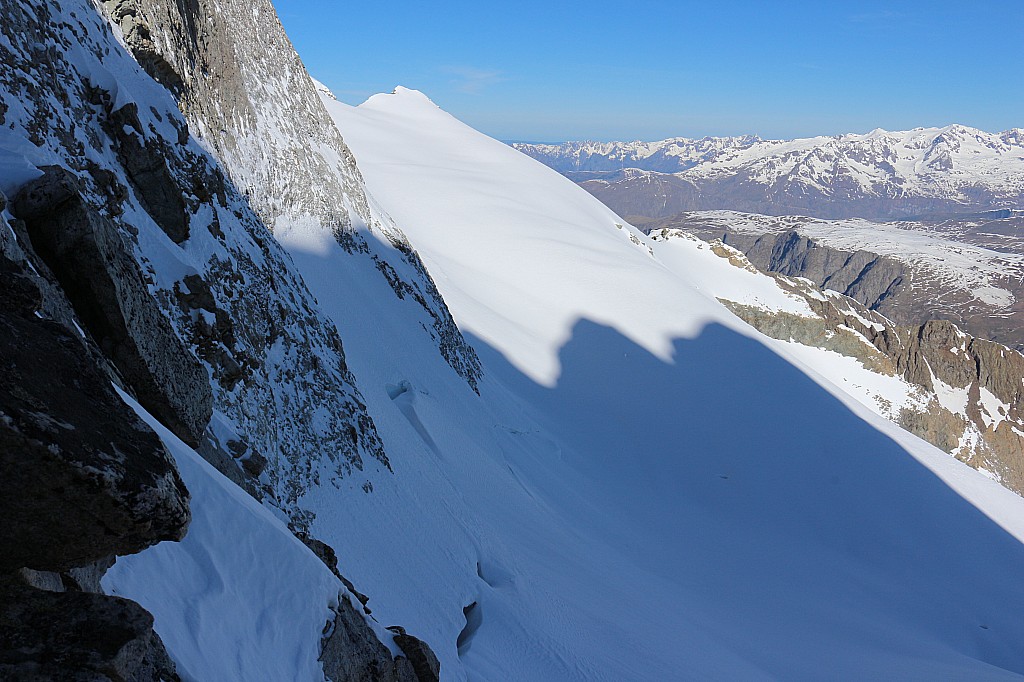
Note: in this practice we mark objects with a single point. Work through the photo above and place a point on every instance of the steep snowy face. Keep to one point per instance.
(645, 487)
(875, 175)
(499, 254)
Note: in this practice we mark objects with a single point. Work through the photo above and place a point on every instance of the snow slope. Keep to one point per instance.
(645, 488)
(240, 598)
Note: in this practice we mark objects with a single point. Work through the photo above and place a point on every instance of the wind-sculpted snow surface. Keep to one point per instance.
(645, 487)
(210, 592)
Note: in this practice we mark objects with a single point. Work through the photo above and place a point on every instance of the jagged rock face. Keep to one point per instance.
(353, 653)
(244, 90)
(81, 479)
(85, 252)
(880, 283)
(228, 289)
(70, 443)
(164, 256)
(970, 392)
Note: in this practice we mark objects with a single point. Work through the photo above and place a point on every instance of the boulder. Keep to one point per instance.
(81, 476)
(77, 636)
(105, 286)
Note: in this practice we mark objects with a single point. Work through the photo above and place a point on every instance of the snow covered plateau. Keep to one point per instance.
(442, 414)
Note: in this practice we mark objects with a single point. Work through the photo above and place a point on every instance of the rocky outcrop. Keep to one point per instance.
(47, 636)
(105, 286)
(424, 663)
(146, 166)
(352, 652)
(69, 442)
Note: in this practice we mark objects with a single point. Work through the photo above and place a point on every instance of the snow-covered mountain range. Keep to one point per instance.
(878, 175)
(350, 393)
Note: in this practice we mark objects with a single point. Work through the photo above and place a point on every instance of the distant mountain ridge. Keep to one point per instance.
(879, 175)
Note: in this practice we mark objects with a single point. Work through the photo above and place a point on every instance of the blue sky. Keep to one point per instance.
(553, 71)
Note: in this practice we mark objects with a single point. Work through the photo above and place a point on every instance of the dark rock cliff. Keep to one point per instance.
(106, 289)
(910, 288)
(81, 479)
(880, 283)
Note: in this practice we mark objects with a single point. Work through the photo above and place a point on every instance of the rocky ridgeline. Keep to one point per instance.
(909, 285)
(134, 257)
(970, 391)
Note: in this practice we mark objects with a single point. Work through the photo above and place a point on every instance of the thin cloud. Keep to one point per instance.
(472, 80)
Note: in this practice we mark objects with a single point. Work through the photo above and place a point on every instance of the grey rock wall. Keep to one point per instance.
(105, 286)
(880, 283)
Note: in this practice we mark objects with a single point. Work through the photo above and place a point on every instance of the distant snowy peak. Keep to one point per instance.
(922, 161)
(667, 156)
